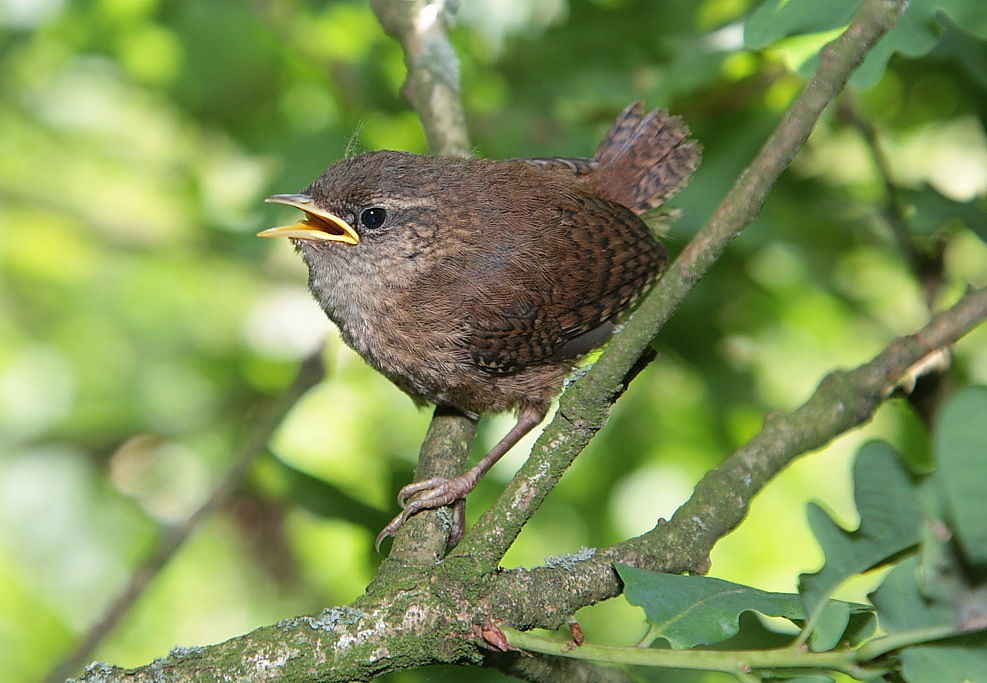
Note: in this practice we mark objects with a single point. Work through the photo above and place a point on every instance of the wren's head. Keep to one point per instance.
(372, 214)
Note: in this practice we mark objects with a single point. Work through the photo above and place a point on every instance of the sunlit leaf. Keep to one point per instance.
(916, 33)
(776, 19)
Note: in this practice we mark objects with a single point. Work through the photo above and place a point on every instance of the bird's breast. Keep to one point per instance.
(412, 345)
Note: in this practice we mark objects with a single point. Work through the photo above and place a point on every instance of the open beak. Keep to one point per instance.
(318, 224)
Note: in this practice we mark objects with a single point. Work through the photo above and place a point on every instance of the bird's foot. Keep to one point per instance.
(435, 493)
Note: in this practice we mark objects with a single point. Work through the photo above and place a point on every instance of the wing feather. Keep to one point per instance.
(596, 261)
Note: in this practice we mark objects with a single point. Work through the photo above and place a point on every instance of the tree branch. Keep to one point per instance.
(585, 406)
(432, 85)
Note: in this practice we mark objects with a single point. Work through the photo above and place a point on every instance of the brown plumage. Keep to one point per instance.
(476, 284)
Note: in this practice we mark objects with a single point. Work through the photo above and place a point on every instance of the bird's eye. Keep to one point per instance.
(373, 218)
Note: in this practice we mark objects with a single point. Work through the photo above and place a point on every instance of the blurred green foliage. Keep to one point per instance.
(141, 324)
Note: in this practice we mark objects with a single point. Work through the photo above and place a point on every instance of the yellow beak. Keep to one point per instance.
(318, 224)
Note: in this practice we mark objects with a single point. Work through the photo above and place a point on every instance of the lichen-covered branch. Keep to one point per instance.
(422, 540)
(585, 406)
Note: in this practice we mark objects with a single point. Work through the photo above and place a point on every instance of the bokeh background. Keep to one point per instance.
(143, 327)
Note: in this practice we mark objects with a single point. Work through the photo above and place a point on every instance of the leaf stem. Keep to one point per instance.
(649, 637)
(895, 641)
(737, 662)
(740, 663)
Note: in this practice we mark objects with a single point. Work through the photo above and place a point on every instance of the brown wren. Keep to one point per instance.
(477, 284)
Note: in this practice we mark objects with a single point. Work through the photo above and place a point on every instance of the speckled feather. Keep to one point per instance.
(489, 278)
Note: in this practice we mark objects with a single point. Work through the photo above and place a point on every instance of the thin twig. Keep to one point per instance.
(309, 374)
(925, 264)
(432, 85)
(727, 661)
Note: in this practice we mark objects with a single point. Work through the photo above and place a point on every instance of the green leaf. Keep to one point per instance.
(757, 634)
(943, 573)
(946, 663)
(698, 610)
(917, 32)
(890, 519)
(902, 608)
(863, 625)
(777, 19)
(961, 455)
(969, 15)
(900, 605)
(842, 621)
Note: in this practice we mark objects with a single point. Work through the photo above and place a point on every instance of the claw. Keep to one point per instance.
(391, 529)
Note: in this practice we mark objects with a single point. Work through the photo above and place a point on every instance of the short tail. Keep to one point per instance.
(643, 159)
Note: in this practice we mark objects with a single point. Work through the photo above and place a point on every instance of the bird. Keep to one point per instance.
(478, 284)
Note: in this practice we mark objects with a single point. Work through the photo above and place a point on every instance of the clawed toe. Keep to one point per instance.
(391, 529)
(434, 493)
(414, 487)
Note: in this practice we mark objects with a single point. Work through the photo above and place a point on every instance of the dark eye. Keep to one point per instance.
(373, 218)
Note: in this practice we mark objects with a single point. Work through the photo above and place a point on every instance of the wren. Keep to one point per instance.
(478, 284)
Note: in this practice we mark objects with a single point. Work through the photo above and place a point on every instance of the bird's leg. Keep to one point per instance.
(439, 491)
